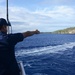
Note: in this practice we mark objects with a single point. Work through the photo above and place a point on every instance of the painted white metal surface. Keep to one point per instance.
(21, 68)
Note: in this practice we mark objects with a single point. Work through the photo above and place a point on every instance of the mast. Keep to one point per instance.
(7, 18)
(7, 9)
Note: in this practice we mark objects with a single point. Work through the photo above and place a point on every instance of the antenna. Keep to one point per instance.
(7, 9)
(7, 17)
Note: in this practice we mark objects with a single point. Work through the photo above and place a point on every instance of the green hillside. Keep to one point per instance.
(70, 30)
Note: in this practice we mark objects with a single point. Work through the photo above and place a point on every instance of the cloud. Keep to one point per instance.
(45, 19)
(59, 14)
(58, 11)
(58, 2)
(2, 12)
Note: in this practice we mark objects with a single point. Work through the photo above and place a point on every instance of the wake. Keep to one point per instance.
(45, 50)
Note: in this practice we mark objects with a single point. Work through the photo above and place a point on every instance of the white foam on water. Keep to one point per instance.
(45, 50)
(40, 74)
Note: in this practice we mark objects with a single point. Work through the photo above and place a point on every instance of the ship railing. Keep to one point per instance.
(21, 66)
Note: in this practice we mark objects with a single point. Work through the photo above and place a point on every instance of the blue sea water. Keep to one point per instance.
(47, 54)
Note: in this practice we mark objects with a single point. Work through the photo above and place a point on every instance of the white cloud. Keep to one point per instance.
(22, 19)
(58, 12)
(58, 2)
(2, 12)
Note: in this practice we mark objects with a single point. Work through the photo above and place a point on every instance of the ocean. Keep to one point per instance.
(47, 54)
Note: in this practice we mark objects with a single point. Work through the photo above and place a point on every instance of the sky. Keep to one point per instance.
(44, 15)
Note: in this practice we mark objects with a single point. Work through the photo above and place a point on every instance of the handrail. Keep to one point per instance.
(22, 70)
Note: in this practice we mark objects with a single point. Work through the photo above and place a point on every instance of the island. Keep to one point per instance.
(70, 30)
